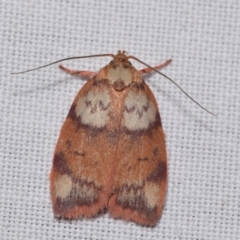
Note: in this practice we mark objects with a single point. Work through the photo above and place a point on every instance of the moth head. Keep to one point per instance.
(120, 72)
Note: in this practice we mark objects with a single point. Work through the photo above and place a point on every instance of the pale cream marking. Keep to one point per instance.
(90, 108)
(151, 191)
(120, 73)
(124, 195)
(139, 118)
(129, 195)
(63, 186)
(86, 192)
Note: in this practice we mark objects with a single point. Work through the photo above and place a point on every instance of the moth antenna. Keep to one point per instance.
(65, 59)
(112, 55)
(132, 57)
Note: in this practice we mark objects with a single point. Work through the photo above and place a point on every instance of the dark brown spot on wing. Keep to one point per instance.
(60, 164)
(142, 159)
(77, 153)
(158, 121)
(155, 151)
(68, 144)
(159, 174)
(72, 115)
(112, 136)
(129, 169)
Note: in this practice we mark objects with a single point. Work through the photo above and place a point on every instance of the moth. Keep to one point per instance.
(111, 152)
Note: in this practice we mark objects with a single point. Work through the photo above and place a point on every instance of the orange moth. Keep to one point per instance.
(111, 151)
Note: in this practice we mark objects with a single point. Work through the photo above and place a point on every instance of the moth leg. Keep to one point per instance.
(77, 72)
(158, 67)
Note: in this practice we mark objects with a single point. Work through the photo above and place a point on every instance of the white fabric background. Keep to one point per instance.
(202, 37)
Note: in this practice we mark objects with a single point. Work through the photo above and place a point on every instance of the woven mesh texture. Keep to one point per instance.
(202, 37)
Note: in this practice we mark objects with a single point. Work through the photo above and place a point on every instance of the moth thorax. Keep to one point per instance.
(120, 77)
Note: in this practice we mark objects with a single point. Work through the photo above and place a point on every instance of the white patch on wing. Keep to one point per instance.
(151, 194)
(93, 108)
(63, 186)
(139, 112)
